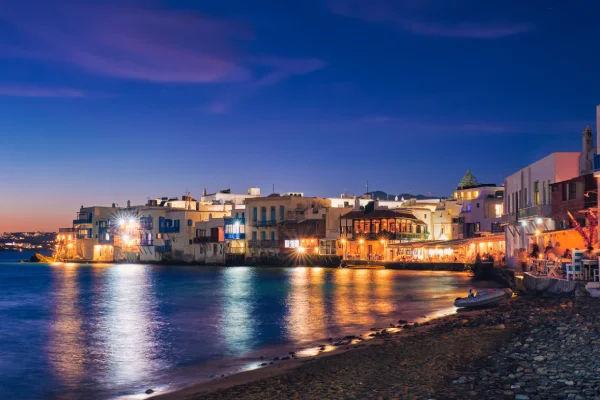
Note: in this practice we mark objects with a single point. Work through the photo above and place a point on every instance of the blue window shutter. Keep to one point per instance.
(272, 235)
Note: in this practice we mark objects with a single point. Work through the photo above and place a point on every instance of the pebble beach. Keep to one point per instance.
(527, 348)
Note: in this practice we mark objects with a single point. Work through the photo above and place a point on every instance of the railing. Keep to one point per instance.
(80, 236)
(106, 240)
(509, 218)
(202, 239)
(269, 222)
(263, 244)
(535, 211)
(146, 242)
(146, 226)
(163, 249)
(168, 229)
(234, 236)
(390, 236)
(65, 230)
(83, 220)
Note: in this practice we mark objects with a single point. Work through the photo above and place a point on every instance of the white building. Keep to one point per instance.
(482, 207)
(527, 199)
(225, 196)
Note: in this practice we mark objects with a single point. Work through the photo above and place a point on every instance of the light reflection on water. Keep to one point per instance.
(106, 331)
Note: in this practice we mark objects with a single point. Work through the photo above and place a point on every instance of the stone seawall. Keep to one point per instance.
(543, 285)
(416, 266)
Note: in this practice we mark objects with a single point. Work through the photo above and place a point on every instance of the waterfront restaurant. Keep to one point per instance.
(458, 250)
(372, 234)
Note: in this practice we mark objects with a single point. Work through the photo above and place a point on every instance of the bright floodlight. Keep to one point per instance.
(236, 223)
(126, 238)
(132, 220)
(122, 222)
(301, 249)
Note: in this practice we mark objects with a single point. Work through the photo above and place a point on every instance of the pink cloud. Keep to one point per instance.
(32, 91)
(411, 15)
(145, 44)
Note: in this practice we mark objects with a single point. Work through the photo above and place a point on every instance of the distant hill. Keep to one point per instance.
(378, 194)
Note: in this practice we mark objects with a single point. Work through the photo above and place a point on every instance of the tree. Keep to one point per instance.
(468, 180)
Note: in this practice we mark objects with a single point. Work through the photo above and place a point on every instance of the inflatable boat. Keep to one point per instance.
(484, 298)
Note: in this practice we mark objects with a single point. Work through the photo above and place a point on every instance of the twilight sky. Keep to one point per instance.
(106, 101)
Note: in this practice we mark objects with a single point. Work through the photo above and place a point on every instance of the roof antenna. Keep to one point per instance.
(273, 188)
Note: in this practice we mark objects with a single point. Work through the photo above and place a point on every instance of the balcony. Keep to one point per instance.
(163, 249)
(234, 236)
(146, 226)
(597, 165)
(106, 239)
(168, 229)
(260, 224)
(83, 218)
(83, 236)
(540, 211)
(202, 239)
(263, 244)
(509, 218)
(146, 242)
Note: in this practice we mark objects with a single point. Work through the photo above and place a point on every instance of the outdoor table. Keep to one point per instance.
(587, 265)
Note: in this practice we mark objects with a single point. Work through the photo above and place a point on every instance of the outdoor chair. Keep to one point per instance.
(574, 269)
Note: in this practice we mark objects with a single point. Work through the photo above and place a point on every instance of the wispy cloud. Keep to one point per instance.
(146, 44)
(414, 16)
(33, 91)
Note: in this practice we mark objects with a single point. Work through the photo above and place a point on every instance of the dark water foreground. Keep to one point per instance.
(106, 331)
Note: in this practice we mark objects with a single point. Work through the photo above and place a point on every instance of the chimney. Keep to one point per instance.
(128, 203)
(204, 192)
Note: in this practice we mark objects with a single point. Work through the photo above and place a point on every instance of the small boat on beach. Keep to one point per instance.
(483, 298)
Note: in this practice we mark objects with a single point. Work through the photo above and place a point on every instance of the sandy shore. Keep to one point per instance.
(526, 349)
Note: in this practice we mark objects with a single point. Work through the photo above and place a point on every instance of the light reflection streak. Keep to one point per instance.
(66, 348)
(305, 318)
(237, 324)
(127, 332)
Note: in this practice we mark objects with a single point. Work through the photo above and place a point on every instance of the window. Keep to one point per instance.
(190, 241)
(273, 216)
(281, 213)
(263, 235)
(536, 193)
(543, 192)
(159, 235)
(263, 213)
(273, 236)
(425, 216)
(549, 197)
(254, 235)
(292, 244)
(565, 191)
(190, 222)
(498, 209)
(442, 230)
(477, 227)
(469, 207)
(477, 205)
(255, 214)
(572, 191)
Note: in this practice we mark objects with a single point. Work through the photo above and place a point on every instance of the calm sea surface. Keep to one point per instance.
(106, 331)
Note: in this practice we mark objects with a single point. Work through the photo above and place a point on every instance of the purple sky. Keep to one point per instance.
(102, 102)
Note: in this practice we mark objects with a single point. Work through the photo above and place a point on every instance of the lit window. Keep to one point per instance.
(292, 244)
